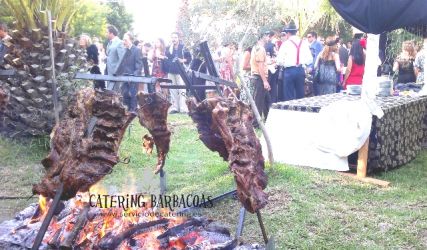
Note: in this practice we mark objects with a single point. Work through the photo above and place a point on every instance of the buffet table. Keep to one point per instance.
(394, 140)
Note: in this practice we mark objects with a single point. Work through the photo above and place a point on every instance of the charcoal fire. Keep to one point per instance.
(79, 161)
(80, 226)
(225, 126)
(152, 115)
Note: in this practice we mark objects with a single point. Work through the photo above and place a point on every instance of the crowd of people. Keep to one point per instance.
(279, 64)
(409, 66)
(332, 65)
(275, 68)
(131, 57)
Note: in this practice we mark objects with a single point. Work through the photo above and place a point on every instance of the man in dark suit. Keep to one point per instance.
(130, 65)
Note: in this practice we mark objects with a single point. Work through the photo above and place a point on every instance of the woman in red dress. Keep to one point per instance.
(355, 65)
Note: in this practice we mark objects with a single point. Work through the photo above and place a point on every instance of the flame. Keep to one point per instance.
(98, 189)
(110, 220)
(42, 205)
(41, 210)
(149, 240)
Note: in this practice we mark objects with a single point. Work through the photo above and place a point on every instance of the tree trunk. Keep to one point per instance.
(29, 110)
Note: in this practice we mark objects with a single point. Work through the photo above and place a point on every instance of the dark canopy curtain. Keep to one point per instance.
(378, 16)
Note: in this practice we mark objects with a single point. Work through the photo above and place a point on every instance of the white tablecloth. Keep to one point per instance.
(292, 135)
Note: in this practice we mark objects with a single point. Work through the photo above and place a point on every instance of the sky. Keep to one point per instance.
(153, 18)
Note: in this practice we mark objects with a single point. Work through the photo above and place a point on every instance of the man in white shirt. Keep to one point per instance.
(294, 56)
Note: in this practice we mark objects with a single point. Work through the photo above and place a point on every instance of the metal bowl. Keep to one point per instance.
(354, 89)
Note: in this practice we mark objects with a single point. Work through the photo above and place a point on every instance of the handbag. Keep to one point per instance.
(316, 77)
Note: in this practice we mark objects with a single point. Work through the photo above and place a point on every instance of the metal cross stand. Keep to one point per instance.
(117, 80)
(7, 73)
(188, 76)
(53, 207)
(56, 201)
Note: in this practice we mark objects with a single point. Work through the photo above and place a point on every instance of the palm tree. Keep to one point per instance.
(30, 109)
(326, 21)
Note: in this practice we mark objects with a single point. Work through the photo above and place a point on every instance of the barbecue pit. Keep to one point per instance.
(85, 146)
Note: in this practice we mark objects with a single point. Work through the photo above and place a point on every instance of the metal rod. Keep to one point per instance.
(216, 80)
(90, 126)
(241, 222)
(167, 86)
(204, 49)
(261, 225)
(48, 218)
(129, 129)
(162, 175)
(213, 200)
(52, 59)
(186, 79)
(129, 79)
(15, 198)
(7, 72)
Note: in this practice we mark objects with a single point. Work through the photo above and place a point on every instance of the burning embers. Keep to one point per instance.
(79, 226)
(85, 148)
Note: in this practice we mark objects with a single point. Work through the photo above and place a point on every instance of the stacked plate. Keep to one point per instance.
(385, 88)
(354, 89)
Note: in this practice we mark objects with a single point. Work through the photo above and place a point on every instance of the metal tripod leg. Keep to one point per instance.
(241, 222)
(261, 225)
(48, 218)
(162, 174)
(129, 129)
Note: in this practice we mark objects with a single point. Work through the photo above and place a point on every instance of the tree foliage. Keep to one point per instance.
(91, 19)
(5, 15)
(119, 17)
(31, 14)
(30, 109)
(328, 22)
(224, 21)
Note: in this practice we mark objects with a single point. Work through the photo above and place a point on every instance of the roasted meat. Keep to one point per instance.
(79, 158)
(225, 126)
(147, 144)
(209, 134)
(153, 113)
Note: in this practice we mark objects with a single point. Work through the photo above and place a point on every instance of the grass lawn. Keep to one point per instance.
(307, 208)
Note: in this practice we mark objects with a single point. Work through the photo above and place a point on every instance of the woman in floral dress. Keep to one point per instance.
(157, 56)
